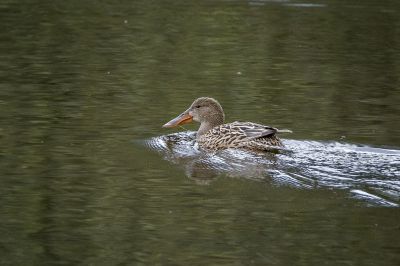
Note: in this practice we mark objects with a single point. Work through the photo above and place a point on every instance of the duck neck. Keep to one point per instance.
(205, 126)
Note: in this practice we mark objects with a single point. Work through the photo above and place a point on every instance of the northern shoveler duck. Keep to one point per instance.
(214, 135)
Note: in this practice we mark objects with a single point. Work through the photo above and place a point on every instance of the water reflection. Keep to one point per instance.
(82, 79)
(303, 164)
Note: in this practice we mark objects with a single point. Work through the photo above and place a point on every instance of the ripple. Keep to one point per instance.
(372, 198)
(304, 5)
(370, 173)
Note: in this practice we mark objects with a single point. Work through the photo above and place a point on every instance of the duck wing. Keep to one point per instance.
(246, 135)
(253, 130)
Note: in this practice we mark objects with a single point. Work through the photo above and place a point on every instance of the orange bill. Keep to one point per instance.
(183, 118)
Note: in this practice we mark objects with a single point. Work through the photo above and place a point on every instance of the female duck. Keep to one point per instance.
(214, 135)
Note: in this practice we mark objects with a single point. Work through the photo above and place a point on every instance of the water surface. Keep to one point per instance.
(85, 177)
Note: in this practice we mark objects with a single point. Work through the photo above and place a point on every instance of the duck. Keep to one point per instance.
(214, 135)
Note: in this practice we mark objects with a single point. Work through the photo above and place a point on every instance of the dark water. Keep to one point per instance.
(86, 177)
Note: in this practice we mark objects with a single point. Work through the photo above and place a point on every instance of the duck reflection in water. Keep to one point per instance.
(204, 167)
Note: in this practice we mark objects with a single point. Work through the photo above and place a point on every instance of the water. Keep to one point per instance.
(302, 164)
(86, 176)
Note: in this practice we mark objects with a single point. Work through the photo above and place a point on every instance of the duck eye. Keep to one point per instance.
(197, 106)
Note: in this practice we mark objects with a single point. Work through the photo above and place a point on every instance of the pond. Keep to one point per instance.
(88, 177)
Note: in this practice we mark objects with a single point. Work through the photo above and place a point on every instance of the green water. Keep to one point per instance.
(84, 85)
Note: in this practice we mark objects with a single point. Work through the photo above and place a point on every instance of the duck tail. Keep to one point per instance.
(284, 131)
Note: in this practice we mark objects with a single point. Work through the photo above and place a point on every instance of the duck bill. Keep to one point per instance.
(181, 119)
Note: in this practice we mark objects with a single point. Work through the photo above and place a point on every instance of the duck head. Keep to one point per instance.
(207, 111)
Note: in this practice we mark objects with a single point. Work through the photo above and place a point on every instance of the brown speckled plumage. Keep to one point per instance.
(242, 135)
(213, 135)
